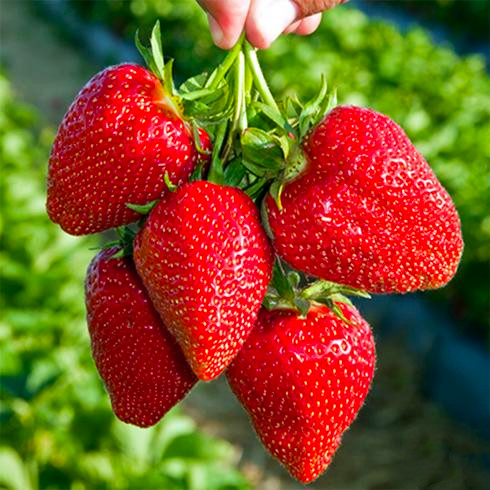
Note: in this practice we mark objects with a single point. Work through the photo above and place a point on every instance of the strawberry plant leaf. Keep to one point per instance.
(308, 115)
(197, 138)
(285, 143)
(275, 191)
(256, 189)
(193, 84)
(152, 55)
(294, 279)
(234, 173)
(340, 298)
(170, 185)
(168, 80)
(274, 115)
(261, 153)
(270, 302)
(211, 106)
(198, 172)
(156, 50)
(144, 52)
(302, 305)
(280, 282)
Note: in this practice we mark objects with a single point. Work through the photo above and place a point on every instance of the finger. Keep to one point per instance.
(226, 20)
(308, 25)
(267, 19)
(292, 27)
(309, 7)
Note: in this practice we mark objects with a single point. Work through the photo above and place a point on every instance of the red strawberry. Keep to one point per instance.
(115, 144)
(368, 211)
(142, 366)
(206, 262)
(302, 381)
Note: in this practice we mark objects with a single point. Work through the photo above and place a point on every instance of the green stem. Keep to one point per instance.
(259, 79)
(239, 98)
(243, 122)
(218, 74)
(216, 169)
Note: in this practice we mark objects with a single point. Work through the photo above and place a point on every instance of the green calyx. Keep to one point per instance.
(124, 243)
(248, 128)
(153, 56)
(291, 290)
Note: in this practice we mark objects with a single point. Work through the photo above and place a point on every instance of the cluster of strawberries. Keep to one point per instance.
(204, 283)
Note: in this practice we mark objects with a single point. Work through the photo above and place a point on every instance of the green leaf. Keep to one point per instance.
(261, 152)
(197, 173)
(153, 55)
(193, 84)
(280, 282)
(13, 473)
(270, 302)
(309, 113)
(256, 188)
(197, 138)
(170, 185)
(234, 173)
(206, 104)
(303, 305)
(156, 49)
(168, 78)
(274, 115)
(294, 279)
(275, 191)
(316, 109)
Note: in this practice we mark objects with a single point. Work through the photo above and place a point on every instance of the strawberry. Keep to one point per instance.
(367, 211)
(302, 381)
(140, 363)
(206, 262)
(115, 144)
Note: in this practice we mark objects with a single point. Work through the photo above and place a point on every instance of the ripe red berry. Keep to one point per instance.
(140, 363)
(119, 137)
(302, 381)
(206, 262)
(368, 211)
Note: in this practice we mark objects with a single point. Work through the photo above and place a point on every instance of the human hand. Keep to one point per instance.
(262, 20)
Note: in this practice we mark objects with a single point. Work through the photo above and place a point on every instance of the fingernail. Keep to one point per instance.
(216, 31)
(274, 17)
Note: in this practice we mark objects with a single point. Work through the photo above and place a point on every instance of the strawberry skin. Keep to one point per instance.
(368, 211)
(114, 145)
(206, 263)
(140, 363)
(302, 381)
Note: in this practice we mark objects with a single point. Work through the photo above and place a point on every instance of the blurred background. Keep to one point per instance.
(426, 422)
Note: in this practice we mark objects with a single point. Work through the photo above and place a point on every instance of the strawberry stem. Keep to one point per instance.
(216, 169)
(239, 100)
(258, 76)
(219, 73)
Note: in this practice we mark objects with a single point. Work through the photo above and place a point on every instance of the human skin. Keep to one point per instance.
(262, 20)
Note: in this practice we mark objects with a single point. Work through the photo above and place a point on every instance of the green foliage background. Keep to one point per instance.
(58, 430)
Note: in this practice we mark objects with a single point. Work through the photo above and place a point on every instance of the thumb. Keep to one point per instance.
(226, 20)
